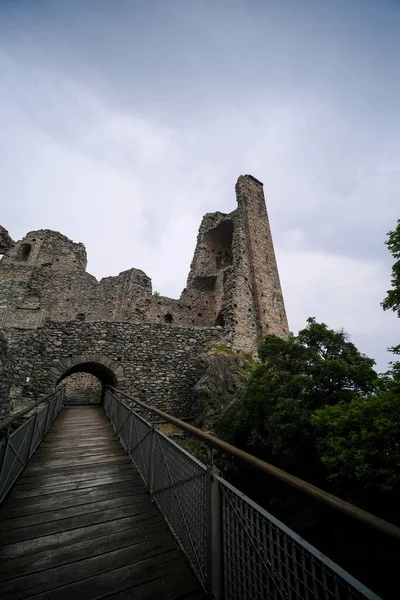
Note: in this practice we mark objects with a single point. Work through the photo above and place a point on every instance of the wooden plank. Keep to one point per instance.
(79, 443)
(80, 477)
(31, 547)
(112, 581)
(176, 585)
(56, 466)
(68, 424)
(29, 492)
(25, 506)
(66, 441)
(65, 450)
(66, 436)
(46, 517)
(75, 432)
(70, 462)
(77, 471)
(63, 430)
(160, 542)
(44, 529)
(71, 455)
(73, 452)
(74, 552)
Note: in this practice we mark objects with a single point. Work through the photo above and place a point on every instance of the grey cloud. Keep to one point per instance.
(122, 123)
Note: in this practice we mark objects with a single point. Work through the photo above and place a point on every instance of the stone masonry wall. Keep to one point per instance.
(82, 388)
(155, 363)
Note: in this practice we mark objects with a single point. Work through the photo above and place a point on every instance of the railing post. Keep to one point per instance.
(3, 462)
(152, 465)
(214, 541)
(106, 401)
(33, 433)
(53, 403)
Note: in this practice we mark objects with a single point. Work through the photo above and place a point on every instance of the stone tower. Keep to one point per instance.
(234, 277)
(259, 305)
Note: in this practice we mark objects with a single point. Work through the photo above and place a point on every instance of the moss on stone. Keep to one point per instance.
(221, 350)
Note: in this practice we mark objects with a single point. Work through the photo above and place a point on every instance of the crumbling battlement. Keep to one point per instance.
(233, 280)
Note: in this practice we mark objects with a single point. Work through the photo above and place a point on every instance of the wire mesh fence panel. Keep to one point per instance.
(20, 440)
(180, 490)
(133, 430)
(135, 433)
(2, 452)
(16, 456)
(19, 445)
(262, 558)
(140, 452)
(49, 416)
(40, 428)
(108, 405)
(60, 402)
(122, 429)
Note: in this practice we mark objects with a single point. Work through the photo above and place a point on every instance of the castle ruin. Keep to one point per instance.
(57, 320)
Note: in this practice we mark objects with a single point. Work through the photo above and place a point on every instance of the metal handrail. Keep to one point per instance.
(326, 498)
(10, 420)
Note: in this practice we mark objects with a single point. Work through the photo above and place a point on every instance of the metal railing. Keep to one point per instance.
(238, 550)
(18, 443)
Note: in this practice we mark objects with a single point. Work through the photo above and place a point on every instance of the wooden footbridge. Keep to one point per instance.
(80, 521)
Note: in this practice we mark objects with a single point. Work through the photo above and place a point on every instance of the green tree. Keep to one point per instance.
(392, 300)
(358, 443)
(298, 375)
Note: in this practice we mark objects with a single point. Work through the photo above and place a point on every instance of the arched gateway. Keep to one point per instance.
(105, 370)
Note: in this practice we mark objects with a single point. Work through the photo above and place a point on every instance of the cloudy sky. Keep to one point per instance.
(123, 121)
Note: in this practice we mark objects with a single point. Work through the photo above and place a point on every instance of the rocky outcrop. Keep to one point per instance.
(220, 385)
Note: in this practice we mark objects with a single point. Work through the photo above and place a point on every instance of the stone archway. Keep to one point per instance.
(106, 371)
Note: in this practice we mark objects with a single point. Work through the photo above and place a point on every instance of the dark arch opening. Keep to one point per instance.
(23, 251)
(168, 318)
(220, 321)
(101, 372)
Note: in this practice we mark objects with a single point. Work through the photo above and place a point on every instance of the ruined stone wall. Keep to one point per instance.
(34, 273)
(43, 277)
(155, 363)
(233, 280)
(232, 292)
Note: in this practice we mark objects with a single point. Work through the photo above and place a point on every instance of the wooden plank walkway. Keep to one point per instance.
(79, 524)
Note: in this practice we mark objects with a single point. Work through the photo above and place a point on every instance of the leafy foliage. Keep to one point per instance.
(392, 300)
(358, 443)
(298, 375)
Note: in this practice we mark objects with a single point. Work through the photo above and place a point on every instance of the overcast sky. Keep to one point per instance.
(123, 121)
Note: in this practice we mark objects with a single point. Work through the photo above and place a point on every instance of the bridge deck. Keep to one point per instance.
(79, 524)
